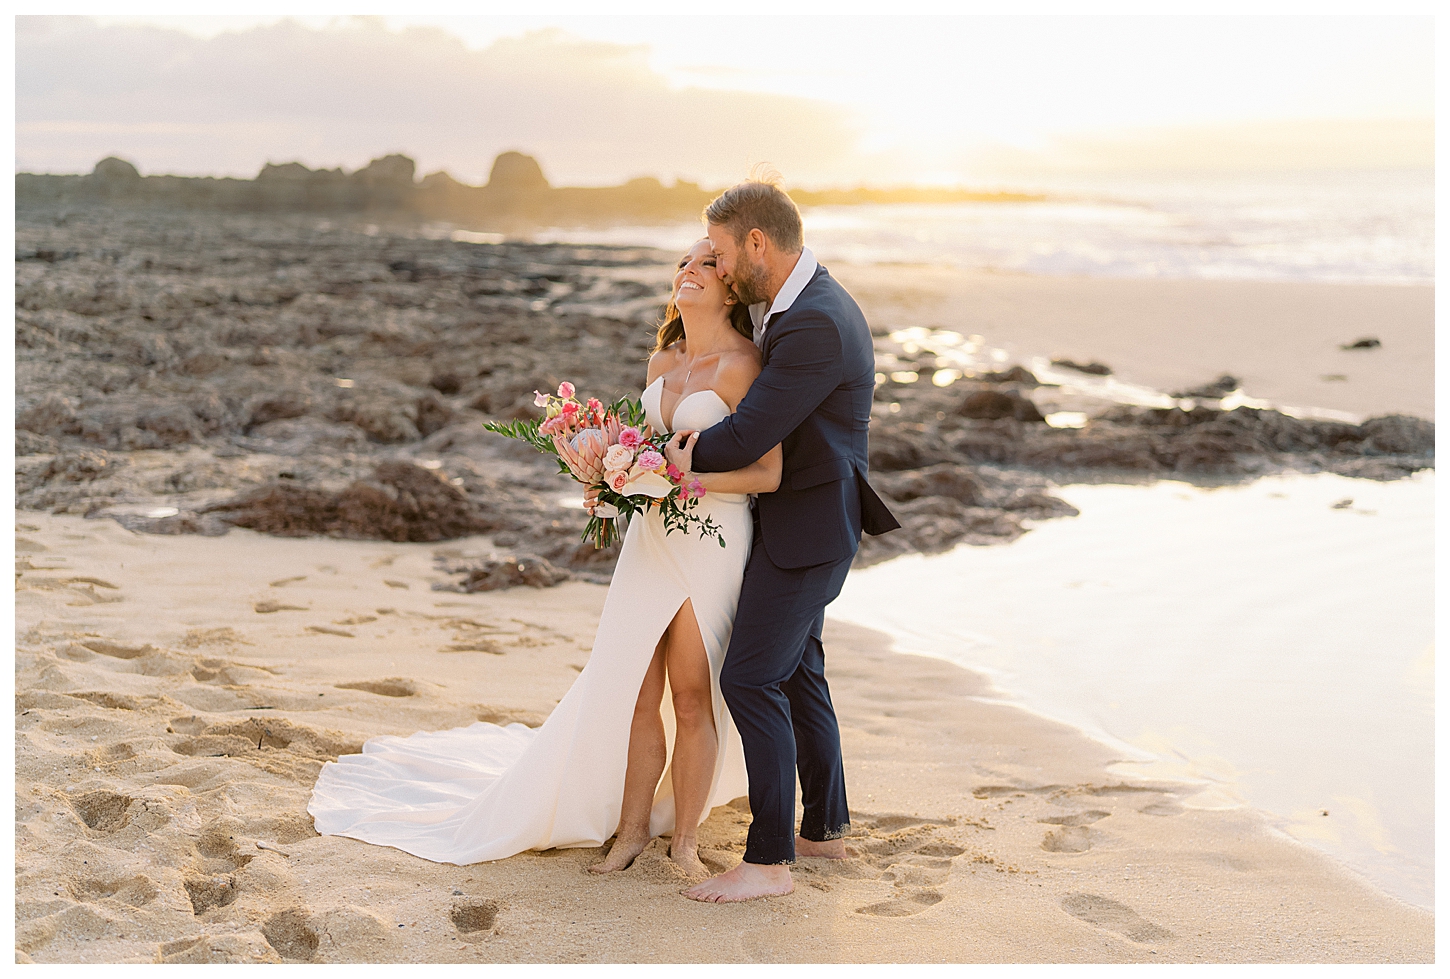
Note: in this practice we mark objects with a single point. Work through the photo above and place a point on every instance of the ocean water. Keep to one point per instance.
(1325, 226)
(1269, 644)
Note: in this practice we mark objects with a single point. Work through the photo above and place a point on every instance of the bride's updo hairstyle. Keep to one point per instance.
(672, 327)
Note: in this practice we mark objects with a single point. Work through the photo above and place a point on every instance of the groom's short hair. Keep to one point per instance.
(758, 204)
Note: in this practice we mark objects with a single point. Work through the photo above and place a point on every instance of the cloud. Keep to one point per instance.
(592, 112)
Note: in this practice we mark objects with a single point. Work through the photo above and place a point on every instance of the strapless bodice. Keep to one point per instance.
(696, 411)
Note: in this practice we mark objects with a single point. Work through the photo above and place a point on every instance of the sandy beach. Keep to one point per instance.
(176, 697)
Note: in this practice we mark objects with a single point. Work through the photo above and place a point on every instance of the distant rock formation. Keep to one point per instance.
(517, 193)
(513, 171)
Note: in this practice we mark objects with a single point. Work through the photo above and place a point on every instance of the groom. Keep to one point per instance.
(813, 397)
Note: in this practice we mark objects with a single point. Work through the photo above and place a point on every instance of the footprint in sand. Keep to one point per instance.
(474, 919)
(280, 582)
(268, 605)
(1069, 839)
(1073, 835)
(393, 686)
(1107, 913)
(137, 891)
(291, 935)
(900, 907)
(117, 650)
(328, 630)
(1077, 818)
(104, 812)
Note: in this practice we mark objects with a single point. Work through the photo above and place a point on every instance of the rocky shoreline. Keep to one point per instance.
(182, 372)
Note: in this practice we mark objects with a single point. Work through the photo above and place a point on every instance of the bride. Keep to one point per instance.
(603, 764)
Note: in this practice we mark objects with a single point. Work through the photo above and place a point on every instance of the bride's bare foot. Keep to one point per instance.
(829, 849)
(621, 855)
(687, 859)
(745, 882)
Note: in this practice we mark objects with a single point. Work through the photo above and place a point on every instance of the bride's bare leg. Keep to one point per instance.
(693, 767)
(642, 773)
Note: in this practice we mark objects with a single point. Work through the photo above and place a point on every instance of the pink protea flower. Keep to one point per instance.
(566, 390)
(583, 453)
(650, 459)
(541, 400)
(615, 479)
(630, 437)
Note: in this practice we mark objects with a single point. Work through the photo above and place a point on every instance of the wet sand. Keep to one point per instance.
(1272, 644)
(1282, 339)
(176, 697)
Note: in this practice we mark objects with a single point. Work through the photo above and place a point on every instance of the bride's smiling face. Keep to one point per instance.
(696, 284)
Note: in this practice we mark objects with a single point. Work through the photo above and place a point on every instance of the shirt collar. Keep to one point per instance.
(795, 283)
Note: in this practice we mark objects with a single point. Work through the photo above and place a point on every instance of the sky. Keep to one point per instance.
(828, 101)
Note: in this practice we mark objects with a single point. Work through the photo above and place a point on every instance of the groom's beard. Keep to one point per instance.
(749, 282)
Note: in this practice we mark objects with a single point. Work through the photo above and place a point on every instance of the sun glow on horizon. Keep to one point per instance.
(900, 100)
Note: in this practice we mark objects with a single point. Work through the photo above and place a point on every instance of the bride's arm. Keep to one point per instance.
(761, 476)
(733, 378)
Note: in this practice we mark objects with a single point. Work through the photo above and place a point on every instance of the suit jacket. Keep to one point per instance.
(813, 398)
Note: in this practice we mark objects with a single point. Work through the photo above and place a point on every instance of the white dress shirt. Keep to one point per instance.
(800, 277)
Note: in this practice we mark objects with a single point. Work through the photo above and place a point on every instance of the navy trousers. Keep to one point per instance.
(774, 682)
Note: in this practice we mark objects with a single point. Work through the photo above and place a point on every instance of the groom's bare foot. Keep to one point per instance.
(829, 849)
(745, 882)
(621, 855)
(687, 859)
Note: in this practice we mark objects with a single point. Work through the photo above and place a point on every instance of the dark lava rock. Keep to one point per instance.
(272, 407)
(495, 575)
(947, 479)
(53, 414)
(434, 414)
(1017, 374)
(1072, 365)
(446, 382)
(1224, 386)
(992, 405)
(205, 524)
(1398, 435)
(1365, 343)
(906, 446)
(401, 502)
(1037, 505)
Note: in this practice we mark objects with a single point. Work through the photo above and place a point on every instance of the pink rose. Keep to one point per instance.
(618, 457)
(651, 460)
(615, 479)
(566, 390)
(631, 438)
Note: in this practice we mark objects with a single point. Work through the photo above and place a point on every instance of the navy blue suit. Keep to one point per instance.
(813, 398)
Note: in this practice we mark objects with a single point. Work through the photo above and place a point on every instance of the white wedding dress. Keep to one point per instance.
(485, 792)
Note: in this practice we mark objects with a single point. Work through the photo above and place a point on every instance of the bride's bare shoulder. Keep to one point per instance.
(736, 370)
(662, 362)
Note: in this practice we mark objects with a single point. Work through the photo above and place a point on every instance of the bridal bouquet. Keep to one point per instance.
(612, 448)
